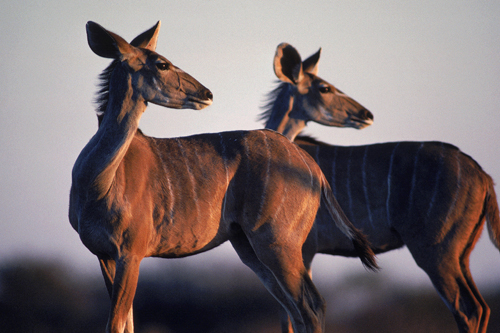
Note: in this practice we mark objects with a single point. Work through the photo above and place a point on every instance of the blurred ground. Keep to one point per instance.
(40, 296)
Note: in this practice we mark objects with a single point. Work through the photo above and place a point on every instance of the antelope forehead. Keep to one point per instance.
(156, 58)
(134, 63)
(177, 69)
(340, 93)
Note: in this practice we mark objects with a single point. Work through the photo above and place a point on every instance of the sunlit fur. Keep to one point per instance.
(134, 196)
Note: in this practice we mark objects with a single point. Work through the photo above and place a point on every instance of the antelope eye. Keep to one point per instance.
(162, 66)
(324, 89)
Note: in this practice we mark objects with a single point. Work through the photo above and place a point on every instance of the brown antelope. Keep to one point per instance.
(135, 196)
(428, 196)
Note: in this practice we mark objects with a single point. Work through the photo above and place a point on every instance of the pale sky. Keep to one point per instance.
(427, 70)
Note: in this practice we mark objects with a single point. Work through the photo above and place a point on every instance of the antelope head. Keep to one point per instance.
(153, 77)
(314, 98)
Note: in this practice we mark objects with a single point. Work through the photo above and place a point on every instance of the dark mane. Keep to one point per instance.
(102, 96)
(278, 103)
(273, 98)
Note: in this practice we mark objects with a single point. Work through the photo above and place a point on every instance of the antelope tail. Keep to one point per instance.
(492, 215)
(360, 242)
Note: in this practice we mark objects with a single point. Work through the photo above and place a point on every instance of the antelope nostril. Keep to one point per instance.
(209, 95)
(368, 114)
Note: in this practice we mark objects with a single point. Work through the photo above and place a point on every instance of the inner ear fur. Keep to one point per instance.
(288, 64)
(148, 39)
(105, 43)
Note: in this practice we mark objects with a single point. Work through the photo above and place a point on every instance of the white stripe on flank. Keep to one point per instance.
(307, 165)
(365, 188)
(224, 160)
(304, 202)
(285, 190)
(317, 155)
(455, 196)
(266, 176)
(389, 222)
(349, 194)
(436, 183)
(333, 182)
(414, 179)
(191, 176)
(247, 180)
(169, 183)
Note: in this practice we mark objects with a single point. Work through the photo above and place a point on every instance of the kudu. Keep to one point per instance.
(134, 196)
(429, 196)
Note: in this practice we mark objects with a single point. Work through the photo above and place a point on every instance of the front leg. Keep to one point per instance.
(116, 318)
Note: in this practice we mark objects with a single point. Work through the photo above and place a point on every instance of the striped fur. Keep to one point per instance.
(134, 196)
(429, 196)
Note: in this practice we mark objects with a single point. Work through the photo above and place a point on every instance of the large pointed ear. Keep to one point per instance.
(106, 44)
(288, 64)
(310, 65)
(148, 39)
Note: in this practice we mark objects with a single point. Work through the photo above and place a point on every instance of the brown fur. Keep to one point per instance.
(135, 196)
(428, 196)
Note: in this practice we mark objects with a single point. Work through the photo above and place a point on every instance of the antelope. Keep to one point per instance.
(134, 196)
(429, 196)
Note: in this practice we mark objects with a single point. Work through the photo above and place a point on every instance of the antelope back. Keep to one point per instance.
(314, 98)
(150, 77)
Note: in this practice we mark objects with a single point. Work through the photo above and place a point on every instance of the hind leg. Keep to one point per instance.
(464, 265)
(298, 286)
(284, 275)
(484, 318)
(249, 258)
(446, 273)
(286, 323)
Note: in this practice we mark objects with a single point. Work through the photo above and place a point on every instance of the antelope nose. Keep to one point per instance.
(367, 114)
(209, 95)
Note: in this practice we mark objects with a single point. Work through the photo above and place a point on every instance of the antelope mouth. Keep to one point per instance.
(360, 122)
(365, 119)
(200, 103)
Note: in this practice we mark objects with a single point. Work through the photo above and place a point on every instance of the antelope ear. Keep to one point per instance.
(310, 65)
(288, 64)
(106, 44)
(148, 39)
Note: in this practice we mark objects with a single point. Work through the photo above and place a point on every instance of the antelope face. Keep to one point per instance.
(167, 85)
(326, 105)
(316, 99)
(152, 77)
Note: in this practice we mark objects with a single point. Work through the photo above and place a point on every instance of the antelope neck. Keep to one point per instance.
(286, 122)
(97, 164)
